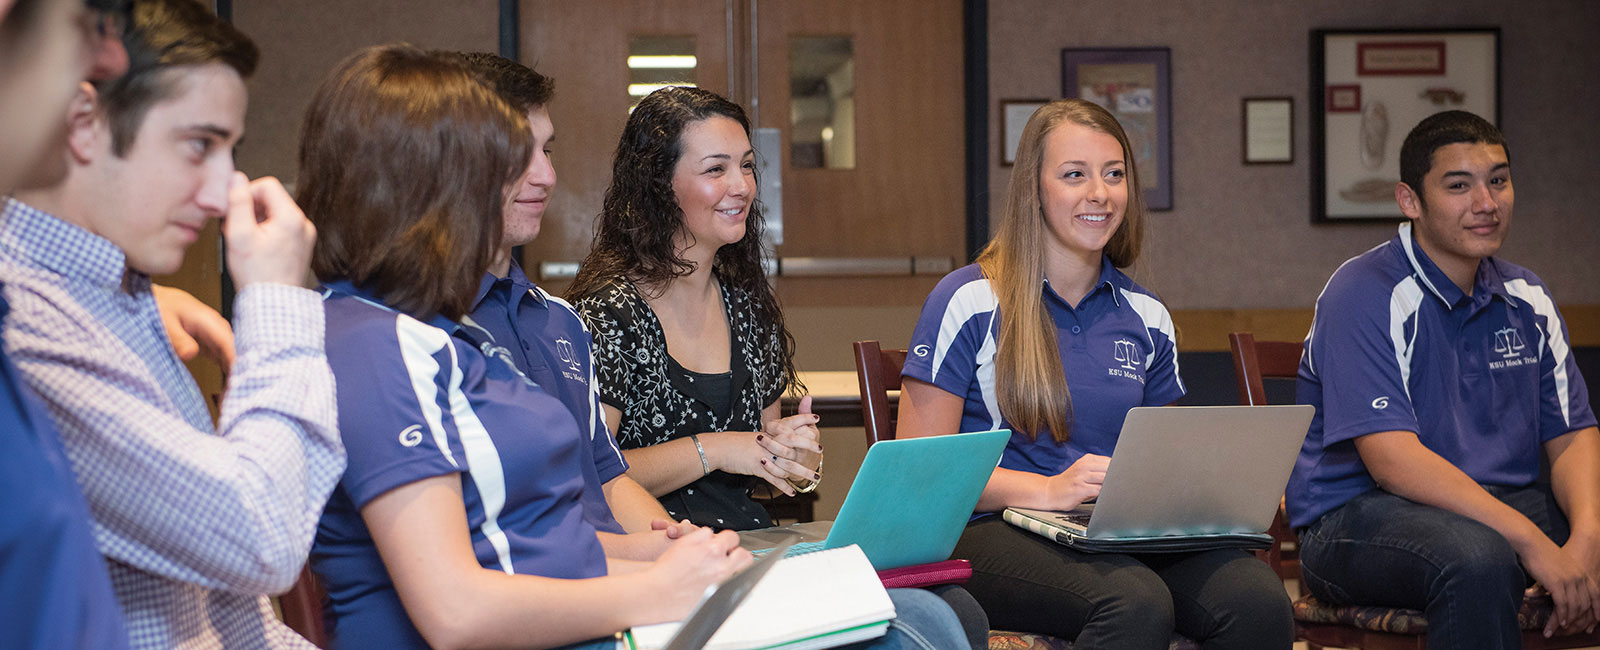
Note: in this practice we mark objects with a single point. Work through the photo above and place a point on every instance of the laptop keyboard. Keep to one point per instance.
(1079, 518)
(801, 548)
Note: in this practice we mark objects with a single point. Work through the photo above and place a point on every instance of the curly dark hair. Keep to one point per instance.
(640, 218)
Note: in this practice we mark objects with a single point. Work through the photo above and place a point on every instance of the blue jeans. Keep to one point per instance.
(922, 621)
(1381, 549)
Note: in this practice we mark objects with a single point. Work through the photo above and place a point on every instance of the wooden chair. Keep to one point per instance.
(1252, 363)
(878, 372)
(1367, 628)
(302, 608)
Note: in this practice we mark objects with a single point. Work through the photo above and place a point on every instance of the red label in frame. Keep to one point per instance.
(1344, 98)
(1405, 58)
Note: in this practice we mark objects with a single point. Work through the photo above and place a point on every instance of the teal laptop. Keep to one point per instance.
(908, 505)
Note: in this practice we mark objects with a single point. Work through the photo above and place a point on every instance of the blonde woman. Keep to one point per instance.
(1079, 344)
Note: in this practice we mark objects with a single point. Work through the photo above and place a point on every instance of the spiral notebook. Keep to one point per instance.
(818, 600)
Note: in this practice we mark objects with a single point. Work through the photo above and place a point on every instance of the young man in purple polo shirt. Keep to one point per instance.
(546, 340)
(1442, 376)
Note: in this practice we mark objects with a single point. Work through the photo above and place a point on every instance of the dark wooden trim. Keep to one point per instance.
(224, 9)
(510, 29)
(975, 71)
(511, 47)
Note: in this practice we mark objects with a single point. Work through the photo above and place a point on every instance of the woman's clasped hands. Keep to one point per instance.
(786, 453)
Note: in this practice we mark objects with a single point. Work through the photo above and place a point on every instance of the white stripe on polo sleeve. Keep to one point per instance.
(1404, 302)
(418, 343)
(1552, 334)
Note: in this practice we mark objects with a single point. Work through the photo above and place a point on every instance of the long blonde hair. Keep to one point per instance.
(1030, 382)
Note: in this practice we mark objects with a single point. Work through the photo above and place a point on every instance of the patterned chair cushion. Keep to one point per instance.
(1535, 612)
(1000, 640)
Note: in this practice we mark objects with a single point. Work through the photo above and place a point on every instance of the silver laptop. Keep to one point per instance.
(1185, 478)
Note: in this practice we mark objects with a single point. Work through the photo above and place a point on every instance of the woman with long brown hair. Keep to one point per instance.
(1046, 336)
(458, 521)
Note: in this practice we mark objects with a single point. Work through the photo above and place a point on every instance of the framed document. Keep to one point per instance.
(1014, 114)
(1135, 84)
(1268, 130)
(1369, 88)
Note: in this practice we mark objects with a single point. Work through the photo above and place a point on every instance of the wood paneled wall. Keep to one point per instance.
(584, 47)
(300, 40)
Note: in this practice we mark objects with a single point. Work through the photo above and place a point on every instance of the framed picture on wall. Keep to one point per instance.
(1369, 88)
(1014, 114)
(1135, 84)
(1268, 130)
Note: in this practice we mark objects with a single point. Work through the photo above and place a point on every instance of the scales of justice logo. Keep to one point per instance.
(564, 350)
(1127, 354)
(1508, 342)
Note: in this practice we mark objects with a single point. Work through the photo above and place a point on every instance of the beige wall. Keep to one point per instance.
(1240, 237)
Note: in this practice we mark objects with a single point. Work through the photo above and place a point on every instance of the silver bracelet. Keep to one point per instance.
(704, 466)
(814, 482)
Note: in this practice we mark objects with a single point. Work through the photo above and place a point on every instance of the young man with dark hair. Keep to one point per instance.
(545, 338)
(197, 522)
(1441, 374)
(52, 579)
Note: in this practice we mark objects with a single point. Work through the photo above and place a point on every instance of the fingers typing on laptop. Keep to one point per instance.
(1079, 483)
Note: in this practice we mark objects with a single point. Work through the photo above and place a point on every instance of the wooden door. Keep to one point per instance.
(906, 195)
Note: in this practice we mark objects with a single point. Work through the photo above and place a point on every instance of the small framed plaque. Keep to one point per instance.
(1268, 126)
(1014, 114)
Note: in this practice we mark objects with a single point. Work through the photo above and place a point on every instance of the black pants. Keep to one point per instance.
(1026, 583)
(973, 621)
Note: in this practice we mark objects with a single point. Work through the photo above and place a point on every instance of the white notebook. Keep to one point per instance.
(817, 600)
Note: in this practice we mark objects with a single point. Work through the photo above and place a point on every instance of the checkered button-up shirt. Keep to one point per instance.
(196, 522)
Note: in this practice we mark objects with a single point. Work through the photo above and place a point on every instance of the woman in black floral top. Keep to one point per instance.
(676, 266)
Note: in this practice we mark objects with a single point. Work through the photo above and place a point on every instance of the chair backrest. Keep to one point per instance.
(302, 608)
(1254, 360)
(878, 372)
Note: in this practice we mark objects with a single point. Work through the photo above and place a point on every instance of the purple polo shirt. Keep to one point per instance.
(546, 340)
(1483, 380)
(424, 399)
(52, 578)
(1117, 348)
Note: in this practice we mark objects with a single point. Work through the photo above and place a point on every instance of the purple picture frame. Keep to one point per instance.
(1141, 99)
